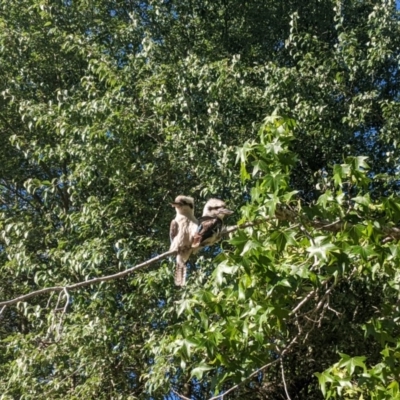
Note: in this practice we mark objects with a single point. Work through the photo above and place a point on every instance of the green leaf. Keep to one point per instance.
(322, 248)
(200, 370)
(244, 175)
(222, 269)
(250, 245)
(352, 362)
(323, 379)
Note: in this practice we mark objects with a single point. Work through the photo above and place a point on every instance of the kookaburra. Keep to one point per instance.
(181, 233)
(210, 224)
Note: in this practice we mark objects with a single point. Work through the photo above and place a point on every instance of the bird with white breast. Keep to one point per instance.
(181, 232)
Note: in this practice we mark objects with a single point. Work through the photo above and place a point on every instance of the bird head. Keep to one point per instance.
(184, 205)
(216, 208)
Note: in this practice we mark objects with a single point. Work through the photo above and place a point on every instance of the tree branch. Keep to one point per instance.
(181, 396)
(284, 381)
(281, 214)
(86, 283)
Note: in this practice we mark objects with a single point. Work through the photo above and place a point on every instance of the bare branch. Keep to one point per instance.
(181, 396)
(308, 297)
(88, 282)
(159, 208)
(58, 301)
(59, 325)
(49, 300)
(66, 301)
(284, 380)
(338, 314)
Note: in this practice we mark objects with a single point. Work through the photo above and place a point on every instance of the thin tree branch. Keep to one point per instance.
(280, 214)
(312, 293)
(181, 396)
(233, 228)
(159, 208)
(104, 278)
(87, 283)
(59, 325)
(284, 380)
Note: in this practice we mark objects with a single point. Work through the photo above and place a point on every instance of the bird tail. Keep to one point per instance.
(180, 271)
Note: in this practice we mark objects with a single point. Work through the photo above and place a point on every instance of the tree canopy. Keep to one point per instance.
(287, 110)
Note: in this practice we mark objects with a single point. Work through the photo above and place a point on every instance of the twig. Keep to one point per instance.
(181, 396)
(159, 208)
(58, 301)
(48, 301)
(59, 326)
(233, 228)
(311, 320)
(284, 380)
(324, 297)
(338, 314)
(329, 225)
(308, 297)
(305, 231)
(66, 301)
(387, 239)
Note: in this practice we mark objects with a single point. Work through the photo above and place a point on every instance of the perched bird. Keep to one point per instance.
(181, 233)
(210, 224)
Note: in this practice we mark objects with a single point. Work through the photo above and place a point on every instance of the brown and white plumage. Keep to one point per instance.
(210, 223)
(181, 233)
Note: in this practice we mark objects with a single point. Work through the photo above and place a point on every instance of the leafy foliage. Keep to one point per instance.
(109, 109)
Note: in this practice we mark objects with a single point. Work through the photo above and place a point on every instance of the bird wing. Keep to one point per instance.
(173, 230)
(208, 227)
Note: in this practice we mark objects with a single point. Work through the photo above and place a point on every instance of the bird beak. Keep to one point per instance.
(174, 204)
(225, 211)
